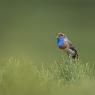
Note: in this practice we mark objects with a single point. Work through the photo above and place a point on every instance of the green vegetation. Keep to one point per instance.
(28, 31)
(61, 77)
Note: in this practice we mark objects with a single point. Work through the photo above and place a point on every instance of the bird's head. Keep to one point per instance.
(60, 35)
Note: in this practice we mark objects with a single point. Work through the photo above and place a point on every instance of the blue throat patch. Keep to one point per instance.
(60, 41)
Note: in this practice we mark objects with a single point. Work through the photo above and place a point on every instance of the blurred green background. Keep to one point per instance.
(28, 28)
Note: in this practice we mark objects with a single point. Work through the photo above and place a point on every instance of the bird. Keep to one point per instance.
(66, 45)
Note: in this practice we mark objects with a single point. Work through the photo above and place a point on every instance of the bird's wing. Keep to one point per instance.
(68, 41)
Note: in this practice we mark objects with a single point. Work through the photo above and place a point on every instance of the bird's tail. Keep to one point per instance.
(75, 56)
